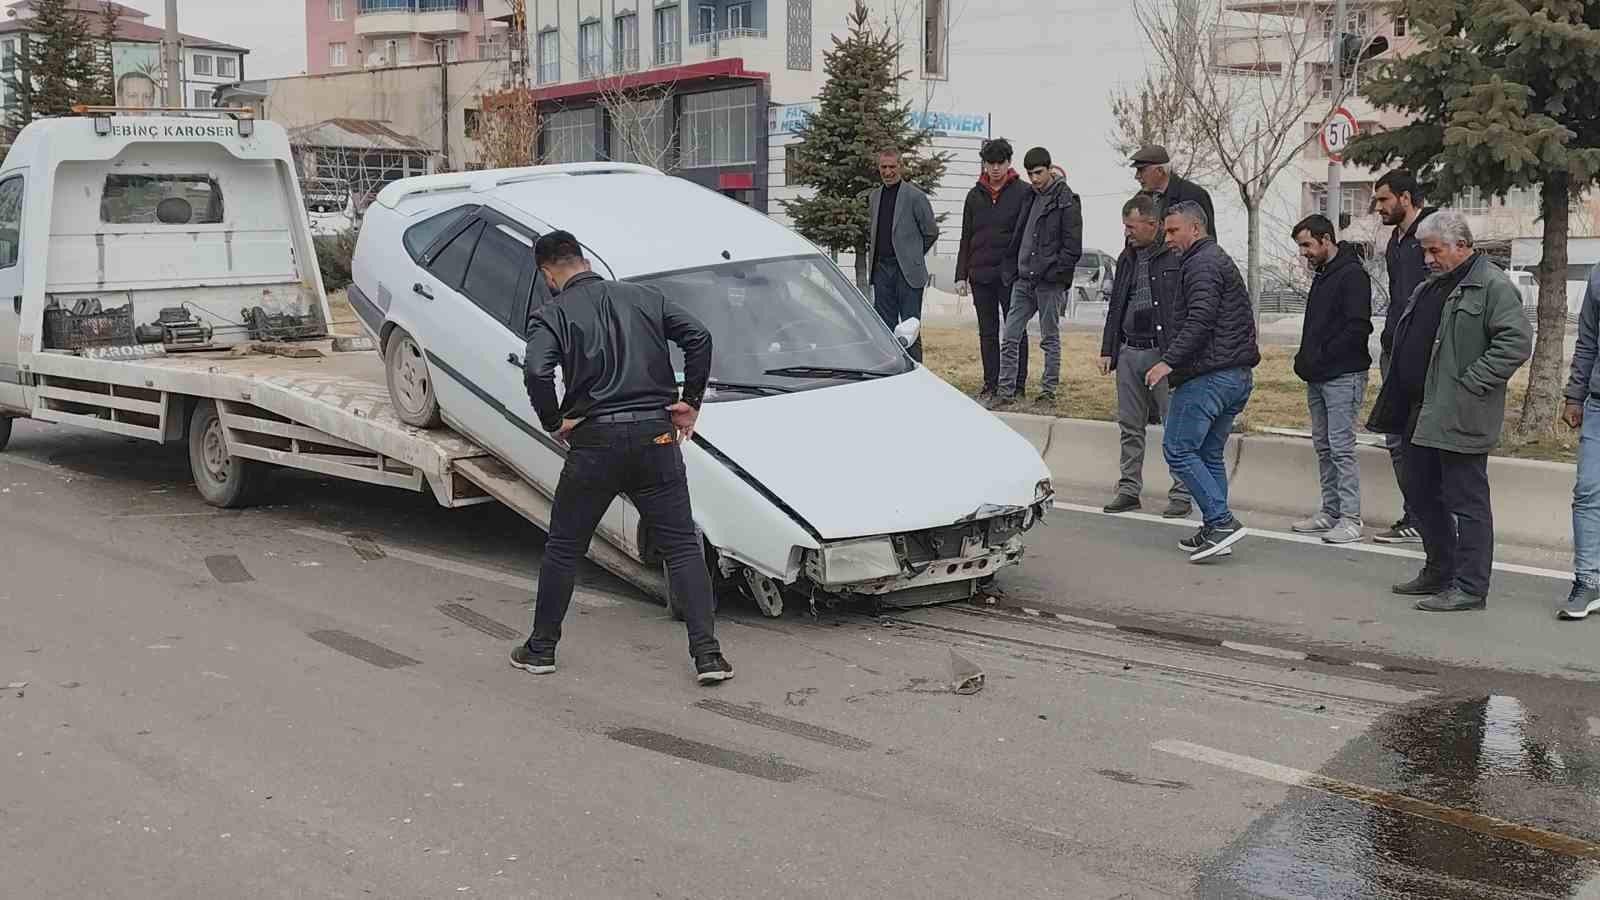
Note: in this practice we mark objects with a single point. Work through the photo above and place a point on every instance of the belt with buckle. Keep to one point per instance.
(1150, 344)
(649, 415)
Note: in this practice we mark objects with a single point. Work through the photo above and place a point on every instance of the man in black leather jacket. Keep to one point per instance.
(621, 420)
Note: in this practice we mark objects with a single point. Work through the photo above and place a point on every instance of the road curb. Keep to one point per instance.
(1273, 474)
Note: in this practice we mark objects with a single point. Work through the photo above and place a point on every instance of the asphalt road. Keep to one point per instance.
(310, 699)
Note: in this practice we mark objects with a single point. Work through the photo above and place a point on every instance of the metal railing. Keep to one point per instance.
(625, 60)
(668, 53)
(591, 65)
(550, 73)
(727, 34)
(369, 7)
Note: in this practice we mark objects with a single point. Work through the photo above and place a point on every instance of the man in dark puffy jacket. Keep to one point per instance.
(1208, 349)
(1046, 245)
(985, 267)
(1333, 361)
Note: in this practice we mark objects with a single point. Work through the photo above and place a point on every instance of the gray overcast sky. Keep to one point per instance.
(274, 30)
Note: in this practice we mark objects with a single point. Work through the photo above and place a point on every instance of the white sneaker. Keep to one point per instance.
(1347, 531)
(1317, 524)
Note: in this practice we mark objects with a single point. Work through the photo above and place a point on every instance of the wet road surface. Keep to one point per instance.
(310, 699)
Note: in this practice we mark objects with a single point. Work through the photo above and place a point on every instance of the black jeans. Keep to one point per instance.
(643, 461)
(896, 300)
(993, 302)
(1448, 493)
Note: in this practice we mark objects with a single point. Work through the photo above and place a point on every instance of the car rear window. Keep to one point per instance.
(161, 199)
(421, 235)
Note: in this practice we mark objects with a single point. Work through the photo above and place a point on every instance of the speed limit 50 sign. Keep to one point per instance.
(1337, 133)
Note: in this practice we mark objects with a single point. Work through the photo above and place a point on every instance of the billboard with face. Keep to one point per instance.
(138, 75)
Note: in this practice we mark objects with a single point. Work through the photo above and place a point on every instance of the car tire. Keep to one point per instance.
(5, 431)
(410, 383)
(223, 480)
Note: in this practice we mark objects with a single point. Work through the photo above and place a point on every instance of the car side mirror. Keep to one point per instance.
(906, 332)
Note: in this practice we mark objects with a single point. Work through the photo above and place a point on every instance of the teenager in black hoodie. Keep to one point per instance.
(985, 266)
(1333, 362)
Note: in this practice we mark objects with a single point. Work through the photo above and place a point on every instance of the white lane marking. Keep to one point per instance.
(1260, 650)
(187, 515)
(1292, 538)
(585, 598)
(1464, 819)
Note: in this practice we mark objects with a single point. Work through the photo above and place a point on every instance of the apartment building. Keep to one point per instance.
(205, 64)
(350, 35)
(690, 85)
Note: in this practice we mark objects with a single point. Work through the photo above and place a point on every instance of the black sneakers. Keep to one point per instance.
(541, 662)
(1426, 584)
(712, 668)
(1212, 541)
(1402, 532)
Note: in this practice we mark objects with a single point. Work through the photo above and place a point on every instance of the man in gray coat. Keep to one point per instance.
(901, 230)
(1582, 412)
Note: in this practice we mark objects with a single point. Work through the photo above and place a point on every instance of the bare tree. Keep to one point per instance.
(1252, 80)
(640, 124)
(508, 129)
(1158, 111)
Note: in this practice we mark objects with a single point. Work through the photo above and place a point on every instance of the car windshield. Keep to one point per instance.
(787, 324)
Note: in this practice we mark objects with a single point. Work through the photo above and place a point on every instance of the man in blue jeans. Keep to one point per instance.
(1583, 411)
(1208, 349)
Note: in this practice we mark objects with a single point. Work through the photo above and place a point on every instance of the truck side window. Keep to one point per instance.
(10, 220)
(161, 199)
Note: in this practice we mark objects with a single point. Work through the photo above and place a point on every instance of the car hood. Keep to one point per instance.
(875, 457)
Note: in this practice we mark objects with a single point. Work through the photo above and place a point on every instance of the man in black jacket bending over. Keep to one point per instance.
(621, 419)
(1333, 362)
(1208, 349)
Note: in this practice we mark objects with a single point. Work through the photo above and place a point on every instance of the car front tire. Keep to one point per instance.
(410, 382)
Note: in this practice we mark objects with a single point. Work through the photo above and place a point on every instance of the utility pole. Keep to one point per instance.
(170, 53)
(1335, 168)
(439, 48)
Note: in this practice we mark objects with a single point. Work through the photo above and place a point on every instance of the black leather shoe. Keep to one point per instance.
(1452, 600)
(1121, 504)
(1424, 585)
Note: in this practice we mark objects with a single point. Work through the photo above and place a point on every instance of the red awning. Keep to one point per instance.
(732, 68)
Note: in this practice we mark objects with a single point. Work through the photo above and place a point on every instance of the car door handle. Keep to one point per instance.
(422, 290)
(513, 360)
(16, 304)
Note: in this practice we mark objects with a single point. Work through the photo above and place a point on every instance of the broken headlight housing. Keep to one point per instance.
(867, 559)
(1043, 491)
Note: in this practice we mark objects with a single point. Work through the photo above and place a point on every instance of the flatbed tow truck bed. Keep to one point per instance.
(328, 413)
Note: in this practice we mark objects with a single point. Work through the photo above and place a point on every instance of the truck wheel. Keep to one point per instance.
(222, 479)
(410, 383)
(5, 432)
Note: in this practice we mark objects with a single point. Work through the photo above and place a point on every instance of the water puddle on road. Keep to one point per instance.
(1457, 799)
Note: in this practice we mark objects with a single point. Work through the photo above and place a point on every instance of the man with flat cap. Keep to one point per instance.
(1152, 166)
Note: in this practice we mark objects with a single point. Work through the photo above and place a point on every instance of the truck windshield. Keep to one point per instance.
(790, 323)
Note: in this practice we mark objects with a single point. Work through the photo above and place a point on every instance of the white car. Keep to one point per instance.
(826, 463)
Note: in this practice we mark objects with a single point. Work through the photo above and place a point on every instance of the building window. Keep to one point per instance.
(935, 32)
(799, 36)
(202, 64)
(471, 123)
(337, 54)
(336, 10)
(625, 42)
(227, 67)
(549, 56)
(8, 56)
(569, 136)
(791, 158)
(202, 99)
(638, 130)
(669, 45)
(591, 58)
(705, 20)
(1472, 202)
(717, 128)
(739, 19)
(1399, 26)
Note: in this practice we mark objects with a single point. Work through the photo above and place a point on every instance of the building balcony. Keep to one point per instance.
(747, 43)
(413, 17)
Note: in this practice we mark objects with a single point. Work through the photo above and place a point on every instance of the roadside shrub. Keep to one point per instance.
(334, 252)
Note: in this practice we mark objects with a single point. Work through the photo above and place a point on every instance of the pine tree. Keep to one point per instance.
(110, 13)
(858, 114)
(1503, 95)
(57, 65)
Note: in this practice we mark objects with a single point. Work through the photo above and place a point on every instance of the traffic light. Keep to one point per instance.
(1354, 49)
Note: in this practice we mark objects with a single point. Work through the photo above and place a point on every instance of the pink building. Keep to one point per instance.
(344, 35)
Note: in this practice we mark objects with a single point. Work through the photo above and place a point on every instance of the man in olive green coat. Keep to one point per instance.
(1459, 341)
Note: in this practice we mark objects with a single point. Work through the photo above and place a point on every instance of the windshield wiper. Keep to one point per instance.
(825, 372)
(746, 387)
